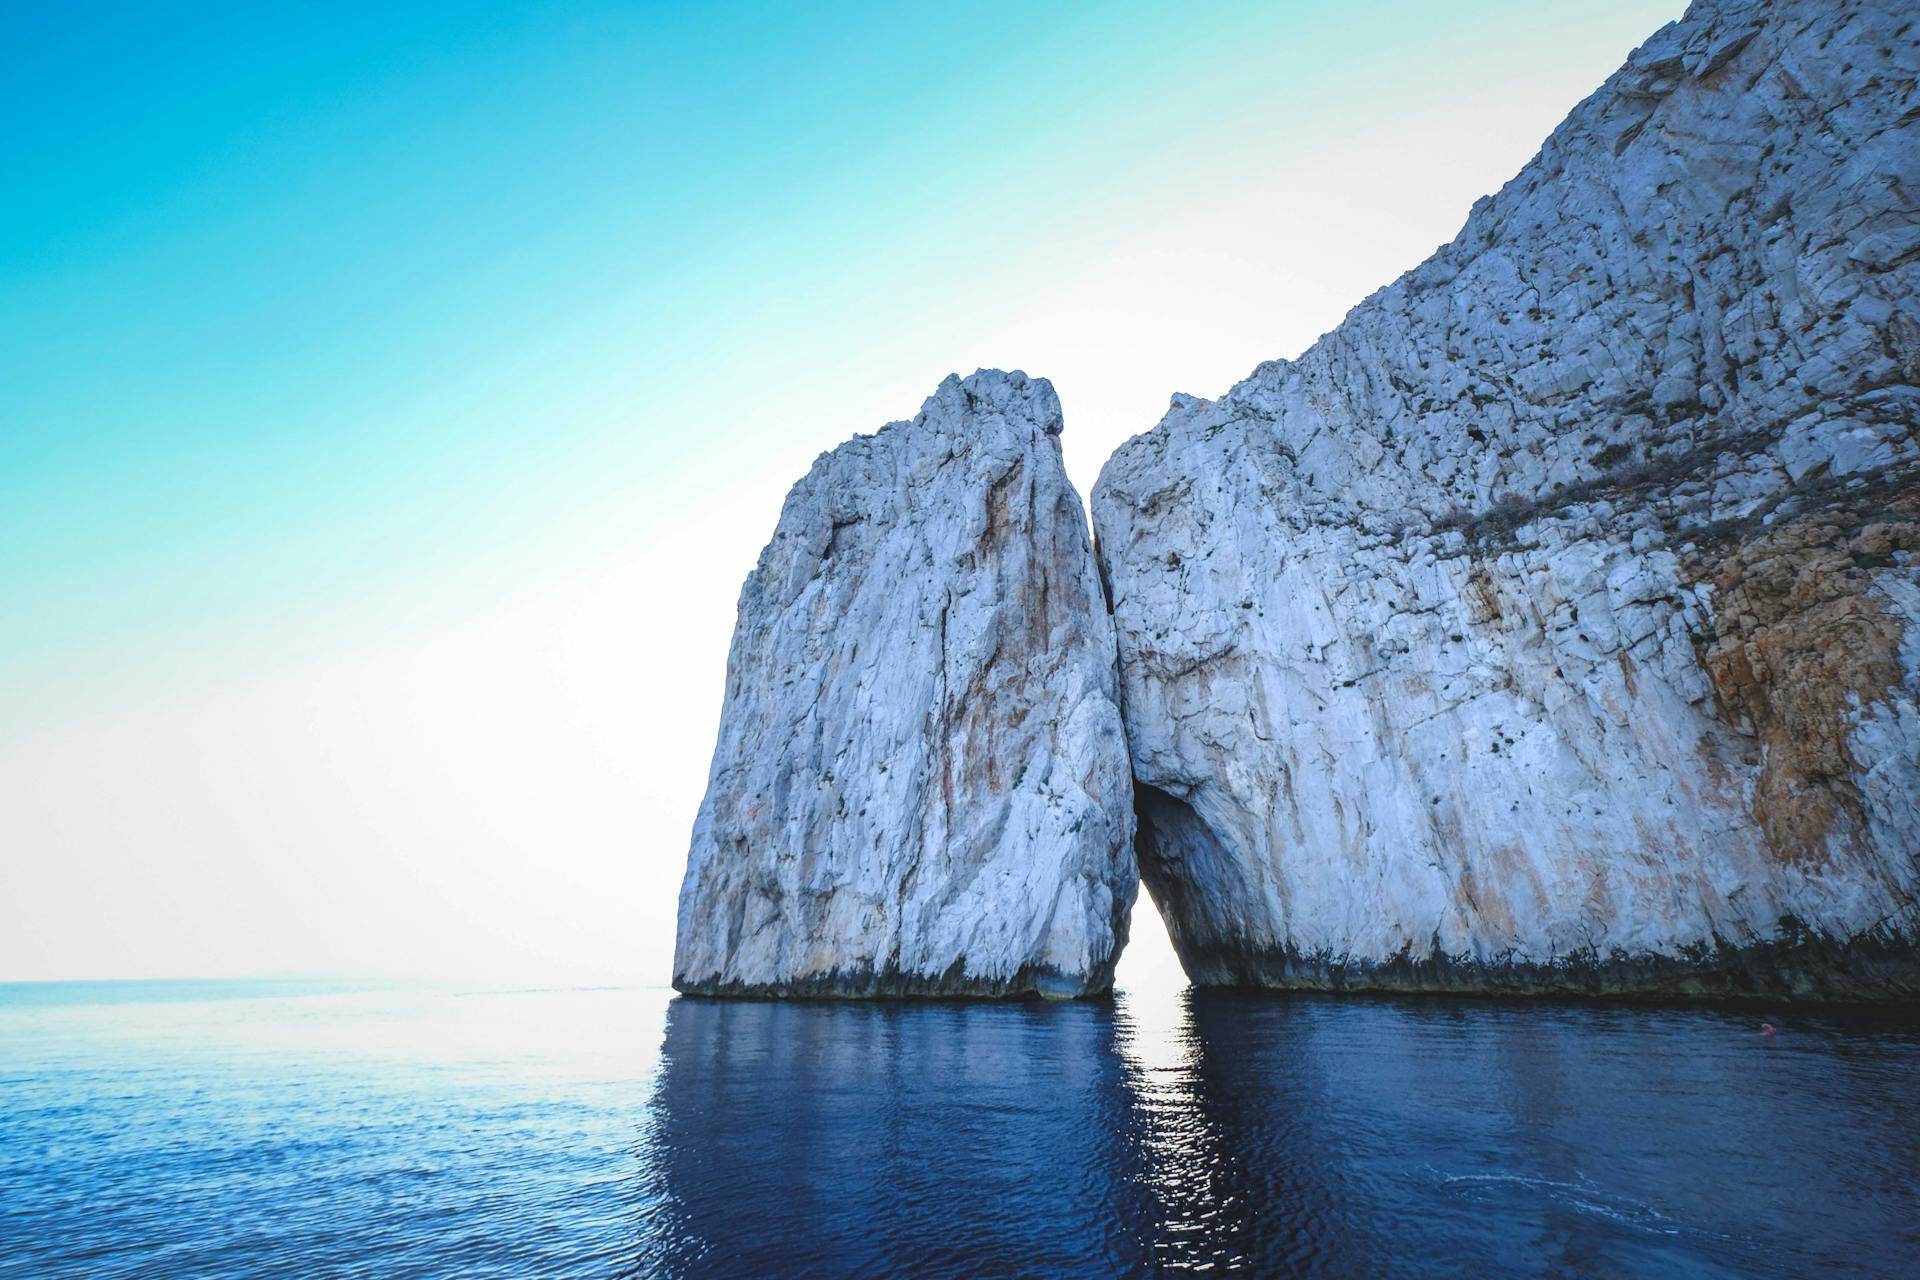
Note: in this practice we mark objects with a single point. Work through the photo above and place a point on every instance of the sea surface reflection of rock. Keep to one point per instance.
(1288, 1136)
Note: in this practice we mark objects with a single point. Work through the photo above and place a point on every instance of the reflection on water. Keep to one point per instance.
(890, 1139)
(1283, 1135)
(161, 1133)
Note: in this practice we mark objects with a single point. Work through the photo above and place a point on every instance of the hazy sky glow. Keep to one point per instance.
(392, 403)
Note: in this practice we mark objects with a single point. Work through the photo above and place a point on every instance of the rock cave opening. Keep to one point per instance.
(1179, 857)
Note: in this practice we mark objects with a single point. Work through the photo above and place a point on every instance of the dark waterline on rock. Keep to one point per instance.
(316, 1131)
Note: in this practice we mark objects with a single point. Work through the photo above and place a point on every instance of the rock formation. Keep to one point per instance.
(1554, 622)
(921, 783)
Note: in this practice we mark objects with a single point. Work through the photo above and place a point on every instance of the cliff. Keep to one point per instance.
(1553, 624)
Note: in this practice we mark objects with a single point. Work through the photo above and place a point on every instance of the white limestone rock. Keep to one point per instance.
(1554, 622)
(921, 783)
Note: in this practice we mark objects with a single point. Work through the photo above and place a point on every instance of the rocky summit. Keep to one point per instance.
(921, 784)
(1553, 624)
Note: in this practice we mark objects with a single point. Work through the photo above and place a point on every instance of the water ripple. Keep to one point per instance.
(305, 1131)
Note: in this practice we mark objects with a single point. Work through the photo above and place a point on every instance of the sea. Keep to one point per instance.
(339, 1129)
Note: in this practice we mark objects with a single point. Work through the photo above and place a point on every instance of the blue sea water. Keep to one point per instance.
(321, 1130)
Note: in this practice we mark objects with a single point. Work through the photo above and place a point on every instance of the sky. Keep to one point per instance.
(394, 397)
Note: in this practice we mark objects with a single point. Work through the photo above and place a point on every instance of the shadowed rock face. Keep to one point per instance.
(921, 783)
(1554, 623)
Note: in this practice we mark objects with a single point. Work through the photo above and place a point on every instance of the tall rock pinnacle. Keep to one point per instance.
(921, 783)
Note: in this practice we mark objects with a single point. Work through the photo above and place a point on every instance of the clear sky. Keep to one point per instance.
(393, 397)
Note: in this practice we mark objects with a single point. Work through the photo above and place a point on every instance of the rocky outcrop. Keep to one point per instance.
(921, 783)
(1554, 623)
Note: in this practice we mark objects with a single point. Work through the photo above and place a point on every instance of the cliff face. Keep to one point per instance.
(921, 783)
(1554, 623)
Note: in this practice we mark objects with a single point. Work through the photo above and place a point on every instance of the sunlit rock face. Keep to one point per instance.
(1554, 622)
(921, 783)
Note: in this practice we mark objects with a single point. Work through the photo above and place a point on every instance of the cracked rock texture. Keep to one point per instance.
(1554, 622)
(921, 784)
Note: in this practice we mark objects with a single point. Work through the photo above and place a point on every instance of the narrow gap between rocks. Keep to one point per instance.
(1170, 840)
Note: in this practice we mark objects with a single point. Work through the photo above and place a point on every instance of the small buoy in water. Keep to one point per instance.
(1767, 1028)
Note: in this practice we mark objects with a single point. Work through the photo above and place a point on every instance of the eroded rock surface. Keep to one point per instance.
(1554, 623)
(921, 783)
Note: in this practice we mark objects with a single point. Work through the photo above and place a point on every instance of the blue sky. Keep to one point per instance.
(343, 347)
(289, 293)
